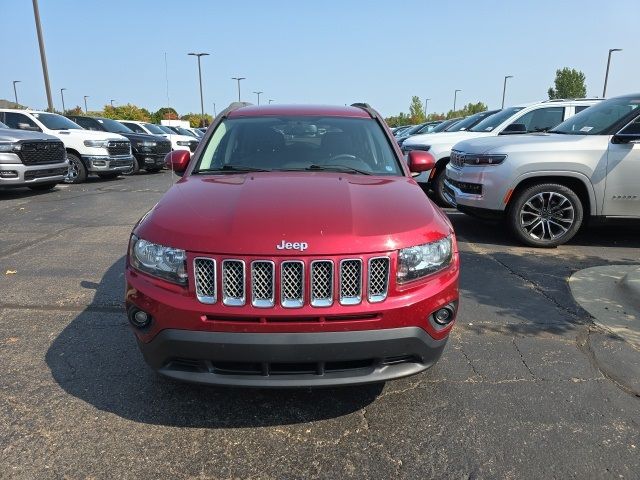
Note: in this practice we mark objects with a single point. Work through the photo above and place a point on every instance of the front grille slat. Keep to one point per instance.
(262, 283)
(119, 147)
(292, 284)
(350, 281)
(205, 275)
(233, 283)
(321, 283)
(42, 152)
(378, 280)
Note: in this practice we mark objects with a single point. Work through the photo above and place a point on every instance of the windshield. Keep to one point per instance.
(470, 121)
(352, 145)
(445, 125)
(53, 121)
(489, 123)
(600, 118)
(2, 125)
(113, 126)
(185, 132)
(155, 129)
(164, 129)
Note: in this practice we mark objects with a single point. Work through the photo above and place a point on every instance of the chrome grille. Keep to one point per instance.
(205, 275)
(262, 283)
(118, 147)
(321, 283)
(378, 278)
(350, 281)
(292, 284)
(233, 290)
(456, 159)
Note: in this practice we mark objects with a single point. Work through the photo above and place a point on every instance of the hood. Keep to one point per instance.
(12, 135)
(143, 137)
(447, 138)
(333, 213)
(89, 134)
(533, 142)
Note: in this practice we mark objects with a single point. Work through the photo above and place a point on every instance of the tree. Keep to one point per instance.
(569, 83)
(127, 112)
(468, 109)
(195, 119)
(165, 113)
(75, 111)
(416, 110)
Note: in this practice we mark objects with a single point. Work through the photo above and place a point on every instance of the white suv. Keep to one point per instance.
(178, 142)
(528, 118)
(105, 154)
(545, 185)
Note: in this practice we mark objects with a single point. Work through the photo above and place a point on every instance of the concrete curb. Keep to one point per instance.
(630, 288)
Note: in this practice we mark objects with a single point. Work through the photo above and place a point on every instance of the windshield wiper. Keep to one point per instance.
(558, 132)
(342, 168)
(232, 168)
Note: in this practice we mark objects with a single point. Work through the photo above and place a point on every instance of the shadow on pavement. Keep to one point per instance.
(96, 359)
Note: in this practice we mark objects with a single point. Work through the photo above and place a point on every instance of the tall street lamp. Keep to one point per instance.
(238, 80)
(215, 114)
(202, 121)
(270, 100)
(606, 75)
(112, 100)
(15, 91)
(504, 88)
(426, 103)
(62, 95)
(43, 56)
(86, 110)
(258, 94)
(455, 97)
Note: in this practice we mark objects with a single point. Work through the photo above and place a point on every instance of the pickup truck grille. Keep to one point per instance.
(119, 148)
(255, 282)
(163, 148)
(42, 152)
(456, 159)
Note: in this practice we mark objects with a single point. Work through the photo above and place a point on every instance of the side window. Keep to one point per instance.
(134, 126)
(17, 120)
(633, 128)
(542, 119)
(580, 108)
(85, 122)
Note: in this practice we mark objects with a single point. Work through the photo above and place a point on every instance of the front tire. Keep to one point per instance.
(77, 171)
(134, 168)
(545, 215)
(437, 184)
(42, 187)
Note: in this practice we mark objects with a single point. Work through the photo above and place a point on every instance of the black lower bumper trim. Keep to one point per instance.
(482, 213)
(292, 359)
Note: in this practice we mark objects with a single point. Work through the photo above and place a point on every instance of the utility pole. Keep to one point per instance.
(258, 94)
(86, 110)
(15, 91)
(43, 56)
(62, 95)
(504, 88)
(238, 80)
(426, 103)
(455, 97)
(606, 75)
(202, 121)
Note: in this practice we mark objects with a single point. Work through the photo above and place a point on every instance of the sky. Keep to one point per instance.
(328, 52)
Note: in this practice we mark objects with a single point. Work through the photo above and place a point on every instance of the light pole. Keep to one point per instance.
(202, 122)
(62, 95)
(238, 80)
(258, 94)
(15, 91)
(504, 88)
(270, 100)
(215, 114)
(426, 103)
(112, 100)
(455, 97)
(606, 75)
(43, 56)
(86, 110)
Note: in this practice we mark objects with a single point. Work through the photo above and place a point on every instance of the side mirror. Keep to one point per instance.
(177, 161)
(514, 129)
(26, 126)
(421, 161)
(626, 138)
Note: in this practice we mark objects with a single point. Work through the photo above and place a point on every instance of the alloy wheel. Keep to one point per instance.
(547, 216)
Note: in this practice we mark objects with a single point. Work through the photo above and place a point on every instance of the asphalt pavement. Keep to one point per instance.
(528, 386)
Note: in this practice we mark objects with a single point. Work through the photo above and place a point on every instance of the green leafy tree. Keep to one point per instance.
(126, 112)
(468, 109)
(569, 83)
(165, 113)
(416, 110)
(75, 111)
(195, 119)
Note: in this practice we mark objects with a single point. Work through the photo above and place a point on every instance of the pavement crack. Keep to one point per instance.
(515, 345)
(30, 244)
(473, 368)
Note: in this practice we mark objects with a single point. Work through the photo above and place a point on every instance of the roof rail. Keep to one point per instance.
(234, 106)
(570, 99)
(366, 107)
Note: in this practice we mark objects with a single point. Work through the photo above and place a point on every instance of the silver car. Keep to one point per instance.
(546, 184)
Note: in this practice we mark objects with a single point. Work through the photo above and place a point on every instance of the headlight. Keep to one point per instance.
(147, 144)
(422, 260)
(9, 147)
(183, 143)
(480, 160)
(96, 143)
(157, 260)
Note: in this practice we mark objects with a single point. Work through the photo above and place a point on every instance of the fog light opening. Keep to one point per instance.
(444, 316)
(139, 318)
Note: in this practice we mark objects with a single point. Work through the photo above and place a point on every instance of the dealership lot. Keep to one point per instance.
(520, 390)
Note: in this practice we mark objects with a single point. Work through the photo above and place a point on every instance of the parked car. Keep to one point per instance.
(546, 185)
(148, 150)
(425, 127)
(279, 262)
(398, 131)
(529, 118)
(182, 131)
(471, 121)
(178, 142)
(105, 154)
(31, 159)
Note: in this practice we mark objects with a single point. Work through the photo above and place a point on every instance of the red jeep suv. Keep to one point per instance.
(296, 251)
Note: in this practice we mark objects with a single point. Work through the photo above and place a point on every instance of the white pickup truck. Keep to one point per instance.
(105, 154)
